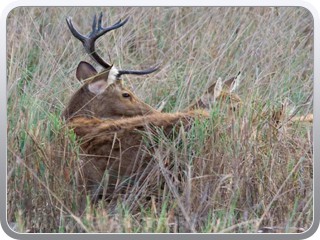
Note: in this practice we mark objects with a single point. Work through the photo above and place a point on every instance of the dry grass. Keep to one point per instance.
(224, 177)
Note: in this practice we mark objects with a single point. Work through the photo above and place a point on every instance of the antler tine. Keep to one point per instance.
(138, 72)
(74, 31)
(89, 41)
(101, 31)
(94, 25)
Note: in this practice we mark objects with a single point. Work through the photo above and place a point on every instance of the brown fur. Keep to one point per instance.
(117, 146)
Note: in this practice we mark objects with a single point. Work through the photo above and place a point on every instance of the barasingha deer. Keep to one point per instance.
(112, 123)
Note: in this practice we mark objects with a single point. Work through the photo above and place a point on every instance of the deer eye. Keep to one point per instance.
(125, 95)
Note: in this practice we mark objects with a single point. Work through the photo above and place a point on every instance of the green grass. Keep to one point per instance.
(227, 173)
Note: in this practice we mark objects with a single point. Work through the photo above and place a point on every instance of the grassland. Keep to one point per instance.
(230, 178)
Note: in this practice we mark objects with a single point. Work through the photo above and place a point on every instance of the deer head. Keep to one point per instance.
(103, 95)
(219, 92)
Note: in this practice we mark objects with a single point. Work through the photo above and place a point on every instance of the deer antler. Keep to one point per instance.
(89, 43)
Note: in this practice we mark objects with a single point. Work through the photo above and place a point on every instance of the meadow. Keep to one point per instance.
(229, 174)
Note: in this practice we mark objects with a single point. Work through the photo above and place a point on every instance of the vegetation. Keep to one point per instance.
(234, 175)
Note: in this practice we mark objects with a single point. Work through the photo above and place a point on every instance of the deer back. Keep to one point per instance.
(119, 147)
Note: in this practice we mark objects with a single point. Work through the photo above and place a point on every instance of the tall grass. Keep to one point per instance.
(226, 174)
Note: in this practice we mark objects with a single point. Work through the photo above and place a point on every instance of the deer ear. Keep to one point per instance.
(98, 86)
(217, 89)
(233, 83)
(85, 70)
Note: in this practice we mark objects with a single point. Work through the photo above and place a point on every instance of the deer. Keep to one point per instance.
(112, 123)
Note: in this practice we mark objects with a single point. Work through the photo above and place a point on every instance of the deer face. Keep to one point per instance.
(104, 96)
